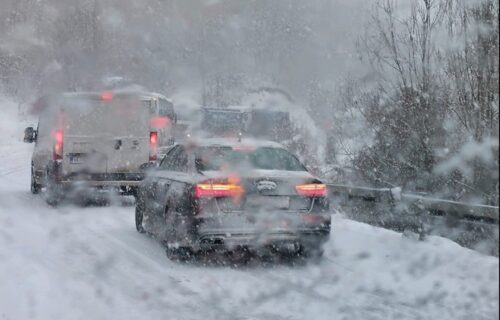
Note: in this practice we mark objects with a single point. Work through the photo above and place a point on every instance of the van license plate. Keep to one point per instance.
(76, 158)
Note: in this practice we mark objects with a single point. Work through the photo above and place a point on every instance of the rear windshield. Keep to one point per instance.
(265, 158)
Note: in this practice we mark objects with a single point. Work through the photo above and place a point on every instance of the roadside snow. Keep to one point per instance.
(90, 263)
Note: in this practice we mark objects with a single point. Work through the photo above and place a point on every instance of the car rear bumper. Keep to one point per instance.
(252, 239)
(227, 233)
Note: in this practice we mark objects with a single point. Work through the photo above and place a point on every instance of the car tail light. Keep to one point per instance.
(311, 190)
(58, 145)
(209, 190)
(153, 146)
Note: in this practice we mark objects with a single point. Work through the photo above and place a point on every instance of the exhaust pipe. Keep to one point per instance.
(212, 242)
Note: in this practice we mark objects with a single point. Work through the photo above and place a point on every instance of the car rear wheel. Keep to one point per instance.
(181, 254)
(139, 215)
(312, 253)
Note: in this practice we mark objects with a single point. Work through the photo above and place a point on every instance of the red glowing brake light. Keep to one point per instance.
(204, 190)
(58, 145)
(153, 138)
(311, 190)
(106, 96)
(153, 146)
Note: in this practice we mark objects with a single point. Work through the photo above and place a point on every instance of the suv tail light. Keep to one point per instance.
(153, 146)
(57, 153)
(209, 190)
(311, 190)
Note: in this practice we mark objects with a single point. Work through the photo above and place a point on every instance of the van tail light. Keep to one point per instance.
(153, 146)
(57, 153)
(107, 96)
(311, 190)
(217, 190)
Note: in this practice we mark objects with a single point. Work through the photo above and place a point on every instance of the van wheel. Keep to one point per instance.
(54, 194)
(35, 187)
(53, 197)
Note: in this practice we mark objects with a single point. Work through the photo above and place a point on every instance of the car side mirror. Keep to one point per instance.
(148, 166)
(29, 135)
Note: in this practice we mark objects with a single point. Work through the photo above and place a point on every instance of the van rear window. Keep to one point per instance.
(116, 117)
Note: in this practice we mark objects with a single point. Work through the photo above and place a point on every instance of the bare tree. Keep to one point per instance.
(472, 74)
(408, 109)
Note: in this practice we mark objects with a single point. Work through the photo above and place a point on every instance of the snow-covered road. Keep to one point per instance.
(89, 263)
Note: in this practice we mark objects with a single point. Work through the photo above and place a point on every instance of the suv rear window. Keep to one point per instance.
(265, 158)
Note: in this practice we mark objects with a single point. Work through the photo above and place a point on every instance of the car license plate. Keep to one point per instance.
(277, 202)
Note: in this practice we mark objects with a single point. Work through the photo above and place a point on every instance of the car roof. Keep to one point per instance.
(226, 142)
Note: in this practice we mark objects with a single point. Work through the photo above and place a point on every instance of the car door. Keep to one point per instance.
(159, 182)
(177, 170)
(176, 201)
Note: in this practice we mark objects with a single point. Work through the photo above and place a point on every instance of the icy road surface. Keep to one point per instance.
(90, 263)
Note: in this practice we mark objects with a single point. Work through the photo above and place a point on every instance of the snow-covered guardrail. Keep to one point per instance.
(459, 210)
(364, 193)
(347, 195)
(471, 225)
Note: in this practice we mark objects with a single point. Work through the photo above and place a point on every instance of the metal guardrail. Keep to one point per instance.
(362, 193)
(468, 224)
(459, 210)
(394, 197)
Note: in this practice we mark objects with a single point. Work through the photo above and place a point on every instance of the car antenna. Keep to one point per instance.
(240, 135)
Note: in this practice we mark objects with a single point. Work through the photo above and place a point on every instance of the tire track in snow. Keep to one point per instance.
(11, 170)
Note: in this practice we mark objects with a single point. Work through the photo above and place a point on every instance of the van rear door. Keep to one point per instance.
(108, 135)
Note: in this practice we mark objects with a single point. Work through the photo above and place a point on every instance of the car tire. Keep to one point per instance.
(180, 254)
(139, 215)
(313, 254)
(35, 187)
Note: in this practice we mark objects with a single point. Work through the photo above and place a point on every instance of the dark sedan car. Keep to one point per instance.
(225, 195)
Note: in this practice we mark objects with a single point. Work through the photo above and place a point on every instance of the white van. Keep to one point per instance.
(91, 140)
